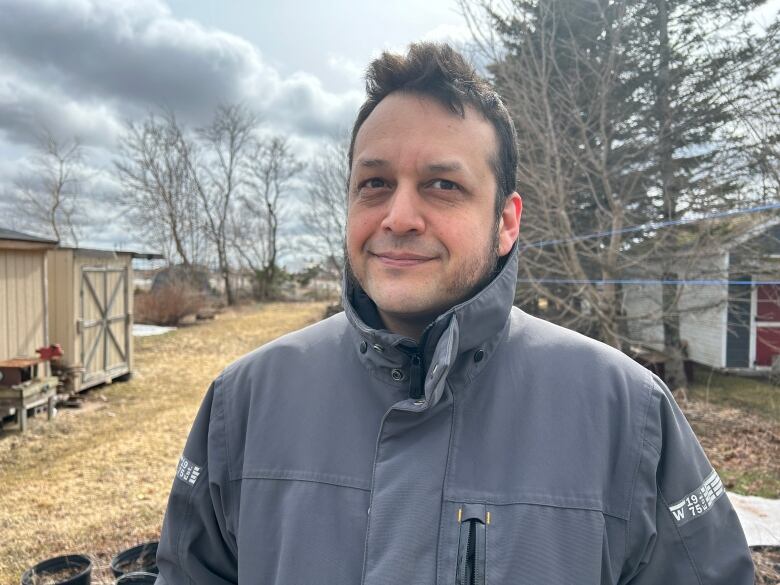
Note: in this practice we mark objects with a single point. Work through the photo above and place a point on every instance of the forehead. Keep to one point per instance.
(412, 128)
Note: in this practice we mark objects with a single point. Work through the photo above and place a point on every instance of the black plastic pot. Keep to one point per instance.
(52, 566)
(137, 578)
(140, 558)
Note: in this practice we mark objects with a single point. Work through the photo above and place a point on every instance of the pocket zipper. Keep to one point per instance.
(471, 550)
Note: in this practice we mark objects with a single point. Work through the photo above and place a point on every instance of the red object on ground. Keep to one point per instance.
(50, 353)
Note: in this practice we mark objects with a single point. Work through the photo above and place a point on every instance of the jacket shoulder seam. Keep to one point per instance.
(632, 492)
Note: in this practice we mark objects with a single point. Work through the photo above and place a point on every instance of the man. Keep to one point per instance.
(432, 433)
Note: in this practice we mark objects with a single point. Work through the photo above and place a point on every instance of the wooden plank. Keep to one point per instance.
(22, 362)
(22, 245)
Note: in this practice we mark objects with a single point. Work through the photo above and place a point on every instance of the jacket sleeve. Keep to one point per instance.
(196, 543)
(682, 528)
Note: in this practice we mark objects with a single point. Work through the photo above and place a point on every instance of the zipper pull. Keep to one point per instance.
(416, 385)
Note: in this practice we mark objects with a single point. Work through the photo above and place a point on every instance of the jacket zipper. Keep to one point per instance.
(416, 375)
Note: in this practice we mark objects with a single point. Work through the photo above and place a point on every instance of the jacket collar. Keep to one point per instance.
(454, 337)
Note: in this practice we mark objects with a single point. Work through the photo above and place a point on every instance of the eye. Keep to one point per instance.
(444, 185)
(372, 183)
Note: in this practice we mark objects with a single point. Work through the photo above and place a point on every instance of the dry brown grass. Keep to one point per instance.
(96, 480)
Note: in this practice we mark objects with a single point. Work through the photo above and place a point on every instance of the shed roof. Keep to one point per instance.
(6, 234)
(113, 253)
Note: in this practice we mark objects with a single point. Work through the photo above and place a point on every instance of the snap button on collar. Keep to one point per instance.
(363, 347)
(397, 375)
(378, 348)
(479, 355)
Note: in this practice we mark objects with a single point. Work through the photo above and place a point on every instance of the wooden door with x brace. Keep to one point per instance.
(104, 323)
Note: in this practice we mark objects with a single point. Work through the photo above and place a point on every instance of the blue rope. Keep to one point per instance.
(699, 282)
(652, 226)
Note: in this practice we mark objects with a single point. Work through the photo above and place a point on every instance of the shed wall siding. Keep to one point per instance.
(642, 305)
(701, 322)
(702, 312)
(61, 303)
(22, 312)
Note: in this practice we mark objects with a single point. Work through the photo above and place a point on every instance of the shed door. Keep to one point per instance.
(767, 323)
(104, 322)
(738, 331)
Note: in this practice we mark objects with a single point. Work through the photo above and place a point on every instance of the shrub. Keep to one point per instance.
(168, 304)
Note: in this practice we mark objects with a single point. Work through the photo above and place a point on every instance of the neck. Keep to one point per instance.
(408, 326)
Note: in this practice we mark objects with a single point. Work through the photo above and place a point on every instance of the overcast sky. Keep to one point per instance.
(82, 67)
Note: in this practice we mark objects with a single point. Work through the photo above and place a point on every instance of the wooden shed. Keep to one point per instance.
(23, 300)
(91, 314)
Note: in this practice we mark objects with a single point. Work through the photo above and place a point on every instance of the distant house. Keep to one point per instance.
(316, 282)
(729, 304)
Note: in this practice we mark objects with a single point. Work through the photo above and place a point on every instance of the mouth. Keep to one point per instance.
(400, 259)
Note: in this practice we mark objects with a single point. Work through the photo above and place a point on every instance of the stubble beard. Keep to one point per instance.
(465, 285)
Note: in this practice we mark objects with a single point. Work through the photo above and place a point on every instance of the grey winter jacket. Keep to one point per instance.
(504, 451)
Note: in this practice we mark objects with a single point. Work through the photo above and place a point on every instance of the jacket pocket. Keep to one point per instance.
(521, 544)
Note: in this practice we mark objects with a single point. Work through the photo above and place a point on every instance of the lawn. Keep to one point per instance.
(737, 421)
(95, 480)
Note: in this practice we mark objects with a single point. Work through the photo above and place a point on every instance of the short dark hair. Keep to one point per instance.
(438, 71)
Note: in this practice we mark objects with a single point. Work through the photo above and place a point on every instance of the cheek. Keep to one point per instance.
(465, 238)
(358, 231)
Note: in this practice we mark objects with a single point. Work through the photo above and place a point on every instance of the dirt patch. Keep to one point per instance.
(743, 447)
(767, 561)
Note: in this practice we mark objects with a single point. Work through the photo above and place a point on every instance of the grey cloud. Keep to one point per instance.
(114, 51)
(125, 57)
(25, 109)
(303, 104)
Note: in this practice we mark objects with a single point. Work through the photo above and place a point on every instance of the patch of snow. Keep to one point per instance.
(146, 330)
(760, 518)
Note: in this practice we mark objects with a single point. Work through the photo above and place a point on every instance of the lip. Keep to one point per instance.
(400, 259)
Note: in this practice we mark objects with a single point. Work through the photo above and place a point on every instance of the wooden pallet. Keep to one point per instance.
(29, 395)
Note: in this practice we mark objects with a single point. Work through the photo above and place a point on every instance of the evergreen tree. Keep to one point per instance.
(627, 113)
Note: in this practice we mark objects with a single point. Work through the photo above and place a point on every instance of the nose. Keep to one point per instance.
(404, 212)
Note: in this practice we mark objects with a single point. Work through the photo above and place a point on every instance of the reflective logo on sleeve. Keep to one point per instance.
(187, 472)
(699, 501)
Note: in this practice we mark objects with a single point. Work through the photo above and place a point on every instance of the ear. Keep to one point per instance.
(509, 225)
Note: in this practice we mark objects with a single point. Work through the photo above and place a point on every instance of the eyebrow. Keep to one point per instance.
(437, 167)
(372, 163)
(445, 167)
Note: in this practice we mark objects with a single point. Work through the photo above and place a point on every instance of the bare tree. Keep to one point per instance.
(159, 193)
(273, 167)
(219, 177)
(49, 191)
(622, 122)
(326, 203)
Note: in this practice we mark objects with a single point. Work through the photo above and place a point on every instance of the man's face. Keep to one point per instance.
(422, 234)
